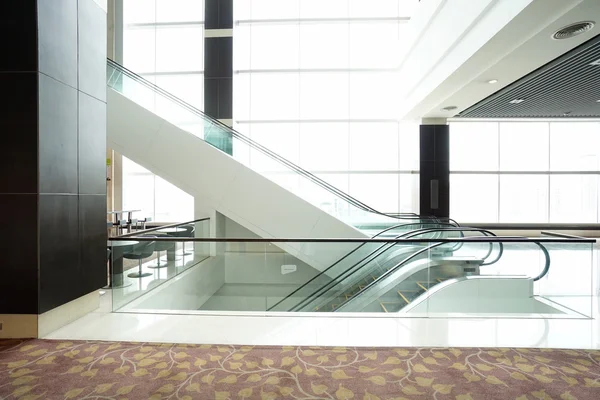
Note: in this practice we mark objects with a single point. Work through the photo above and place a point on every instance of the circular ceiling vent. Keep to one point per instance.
(573, 30)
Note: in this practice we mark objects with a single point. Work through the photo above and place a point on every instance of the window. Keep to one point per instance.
(525, 172)
(154, 196)
(163, 41)
(314, 81)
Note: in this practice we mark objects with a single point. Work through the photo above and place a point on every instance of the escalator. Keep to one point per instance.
(184, 146)
(367, 263)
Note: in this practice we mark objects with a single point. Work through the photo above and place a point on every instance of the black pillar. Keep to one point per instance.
(218, 69)
(435, 170)
(53, 124)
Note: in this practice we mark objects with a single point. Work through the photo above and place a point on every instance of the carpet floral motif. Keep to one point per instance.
(40, 369)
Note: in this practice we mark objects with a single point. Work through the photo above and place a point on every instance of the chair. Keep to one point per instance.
(185, 231)
(161, 246)
(139, 252)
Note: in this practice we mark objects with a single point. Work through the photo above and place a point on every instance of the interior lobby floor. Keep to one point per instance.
(323, 330)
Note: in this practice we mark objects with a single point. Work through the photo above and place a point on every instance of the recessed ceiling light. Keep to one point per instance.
(492, 81)
(597, 101)
(567, 113)
(572, 30)
(517, 101)
(595, 63)
(449, 108)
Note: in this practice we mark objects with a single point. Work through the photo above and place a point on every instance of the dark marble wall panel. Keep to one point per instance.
(59, 250)
(57, 137)
(218, 14)
(19, 266)
(92, 145)
(18, 27)
(92, 230)
(435, 166)
(218, 54)
(57, 36)
(18, 124)
(92, 49)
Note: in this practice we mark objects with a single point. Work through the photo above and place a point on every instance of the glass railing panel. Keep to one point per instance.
(569, 281)
(351, 281)
(518, 278)
(361, 257)
(275, 168)
(138, 266)
(418, 277)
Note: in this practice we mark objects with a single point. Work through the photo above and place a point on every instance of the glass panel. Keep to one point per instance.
(172, 203)
(574, 198)
(524, 198)
(283, 139)
(370, 43)
(274, 94)
(373, 146)
(382, 8)
(139, 11)
(323, 95)
(378, 190)
(574, 146)
(179, 10)
(409, 138)
(474, 198)
(324, 146)
(323, 45)
(189, 88)
(409, 193)
(374, 95)
(158, 261)
(138, 189)
(180, 48)
(139, 49)
(465, 137)
(524, 146)
(264, 38)
(268, 9)
(323, 9)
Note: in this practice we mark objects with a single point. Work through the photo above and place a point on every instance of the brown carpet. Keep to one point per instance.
(40, 369)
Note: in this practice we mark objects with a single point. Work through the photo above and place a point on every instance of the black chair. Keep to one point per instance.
(161, 246)
(139, 252)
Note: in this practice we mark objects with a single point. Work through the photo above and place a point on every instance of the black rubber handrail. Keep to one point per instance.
(357, 267)
(356, 203)
(347, 255)
(403, 262)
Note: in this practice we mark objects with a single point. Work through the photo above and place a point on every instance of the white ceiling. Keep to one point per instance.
(503, 40)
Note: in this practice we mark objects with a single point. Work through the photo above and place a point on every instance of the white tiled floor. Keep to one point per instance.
(332, 331)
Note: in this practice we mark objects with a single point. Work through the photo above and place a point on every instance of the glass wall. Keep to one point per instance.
(163, 41)
(316, 82)
(154, 196)
(534, 172)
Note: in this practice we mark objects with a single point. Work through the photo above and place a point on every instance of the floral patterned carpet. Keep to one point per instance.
(44, 369)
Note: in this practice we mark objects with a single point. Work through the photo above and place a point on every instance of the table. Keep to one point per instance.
(115, 263)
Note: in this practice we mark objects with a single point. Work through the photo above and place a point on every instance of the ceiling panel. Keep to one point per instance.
(567, 87)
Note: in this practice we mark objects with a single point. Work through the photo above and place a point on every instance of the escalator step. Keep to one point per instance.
(390, 307)
(403, 297)
(425, 285)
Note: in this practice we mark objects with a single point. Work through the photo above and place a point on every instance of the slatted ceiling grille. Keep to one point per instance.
(569, 84)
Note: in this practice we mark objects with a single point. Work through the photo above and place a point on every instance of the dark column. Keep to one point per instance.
(53, 119)
(218, 69)
(435, 170)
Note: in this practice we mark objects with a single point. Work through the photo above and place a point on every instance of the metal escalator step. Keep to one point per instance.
(390, 307)
(403, 297)
(425, 285)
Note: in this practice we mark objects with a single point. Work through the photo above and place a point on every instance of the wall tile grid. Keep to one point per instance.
(54, 171)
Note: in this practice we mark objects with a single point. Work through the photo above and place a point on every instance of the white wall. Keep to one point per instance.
(222, 183)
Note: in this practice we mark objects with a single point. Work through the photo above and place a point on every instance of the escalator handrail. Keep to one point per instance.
(248, 141)
(403, 262)
(352, 270)
(341, 259)
(485, 233)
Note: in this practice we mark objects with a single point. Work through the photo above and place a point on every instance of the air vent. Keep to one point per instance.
(573, 30)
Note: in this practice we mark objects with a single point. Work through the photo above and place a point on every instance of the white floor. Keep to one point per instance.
(333, 331)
